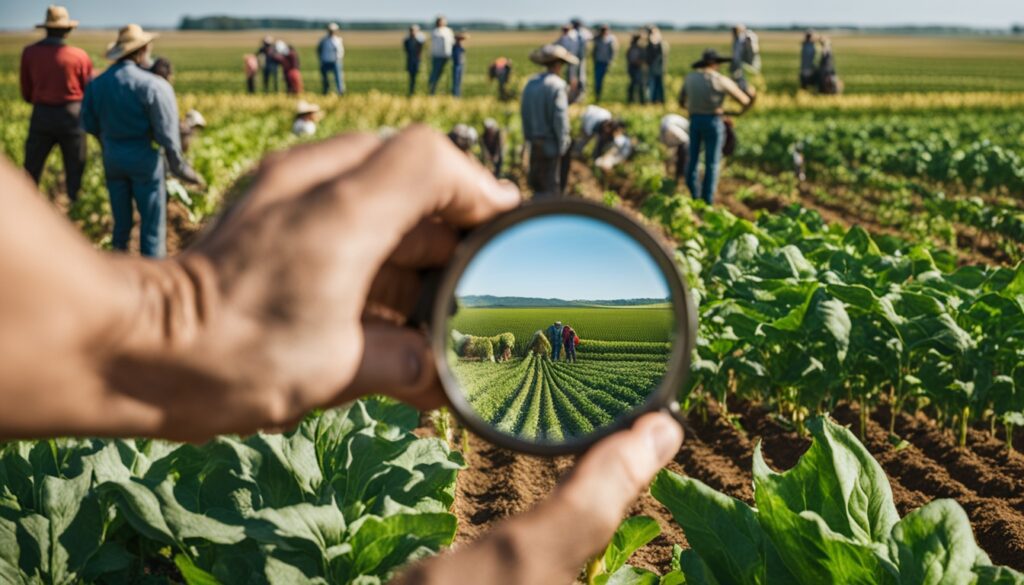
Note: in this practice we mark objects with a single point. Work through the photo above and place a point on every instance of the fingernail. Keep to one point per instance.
(665, 436)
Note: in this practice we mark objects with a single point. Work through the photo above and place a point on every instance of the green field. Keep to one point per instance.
(868, 63)
(604, 324)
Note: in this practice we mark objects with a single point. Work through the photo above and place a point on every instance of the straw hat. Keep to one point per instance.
(57, 17)
(550, 53)
(129, 39)
(194, 119)
(333, 27)
(304, 107)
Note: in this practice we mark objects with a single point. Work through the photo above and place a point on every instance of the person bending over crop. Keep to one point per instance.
(278, 309)
(569, 340)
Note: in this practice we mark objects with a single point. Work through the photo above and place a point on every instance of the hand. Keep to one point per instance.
(293, 300)
(550, 543)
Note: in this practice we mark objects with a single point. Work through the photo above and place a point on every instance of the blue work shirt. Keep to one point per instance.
(134, 113)
(459, 55)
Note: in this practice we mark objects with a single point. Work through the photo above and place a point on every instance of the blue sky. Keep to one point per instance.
(563, 257)
(988, 13)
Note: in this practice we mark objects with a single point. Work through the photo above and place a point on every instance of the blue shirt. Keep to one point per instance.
(329, 49)
(459, 55)
(133, 113)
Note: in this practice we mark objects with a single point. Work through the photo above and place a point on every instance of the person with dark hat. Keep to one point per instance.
(54, 77)
(134, 114)
(704, 91)
(545, 116)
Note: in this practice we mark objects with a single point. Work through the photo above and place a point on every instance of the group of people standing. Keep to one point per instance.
(562, 337)
(818, 71)
(276, 55)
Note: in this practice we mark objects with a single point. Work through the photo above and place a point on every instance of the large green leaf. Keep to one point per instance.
(934, 545)
(632, 534)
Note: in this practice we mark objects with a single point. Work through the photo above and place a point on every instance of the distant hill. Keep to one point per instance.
(490, 301)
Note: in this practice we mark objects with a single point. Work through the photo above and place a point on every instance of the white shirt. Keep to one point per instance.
(593, 116)
(441, 42)
(304, 127)
(674, 130)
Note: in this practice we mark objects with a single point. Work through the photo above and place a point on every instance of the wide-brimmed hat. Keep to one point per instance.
(708, 57)
(194, 119)
(304, 107)
(57, 17)
(461, 35)
(130, 38)
(548, 54)
(333, 27)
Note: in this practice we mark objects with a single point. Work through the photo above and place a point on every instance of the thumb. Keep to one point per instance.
(550, 543)
(397, 361)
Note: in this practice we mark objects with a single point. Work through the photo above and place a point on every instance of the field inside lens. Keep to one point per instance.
(511, 300)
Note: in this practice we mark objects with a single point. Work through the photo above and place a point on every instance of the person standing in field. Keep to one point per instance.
(545, 116)
(501, 72)
(808, 53)
(54, 77)
(288, 58)
(442, 41)
(266, 53)
(331, 52)
(605, 48)
(582, 35)
(493, 146)
(636, 62)
(704, 91)
(828, 79)
(251, 65)
(413, 48)
(656, 53)
(554, 333)
(569, 341)
(458, 63)
(134, 114)
(746, 52)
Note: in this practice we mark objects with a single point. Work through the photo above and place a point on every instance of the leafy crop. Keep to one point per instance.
(829, 519)
(348, 496)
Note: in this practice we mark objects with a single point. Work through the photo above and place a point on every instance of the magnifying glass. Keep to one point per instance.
(559, 323)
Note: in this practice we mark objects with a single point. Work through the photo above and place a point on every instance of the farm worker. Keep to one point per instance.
(545, 115)
(583, 36)
(808, 53)
(614, 146)
(270, 64)
(569, 342)
(458, 63)
(134, 114)
(704, 92)
(54, 76)
(674, 133)
(288, 58)
(605, 48)
(655, 54)
(190, 127)
(746, 52)
(306, 116)
(464, 137)
(442, 41)
(413, 47)
(206, 343)
(493, 146)
(501, 71)
(331, 52)
(593, 119)
(636, 64)
(828, 79)
(251, 65)
(554, 334)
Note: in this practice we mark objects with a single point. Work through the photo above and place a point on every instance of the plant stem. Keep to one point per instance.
(863, 420)
(963, 425)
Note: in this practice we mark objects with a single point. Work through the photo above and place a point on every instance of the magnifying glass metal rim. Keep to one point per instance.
(684, 340)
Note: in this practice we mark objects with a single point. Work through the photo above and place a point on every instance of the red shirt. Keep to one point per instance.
(53, 73)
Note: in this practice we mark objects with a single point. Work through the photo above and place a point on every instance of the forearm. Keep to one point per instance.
(70, 315)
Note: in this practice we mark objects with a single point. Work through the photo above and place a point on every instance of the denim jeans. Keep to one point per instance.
(555, 350)
(436, 70)
(657, 85)
(339, 77)
(600, 70)
(706, 130)
(637, 91)
(457, 80)
(139, 183)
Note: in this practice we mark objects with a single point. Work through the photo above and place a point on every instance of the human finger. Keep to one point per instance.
(397, 362)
